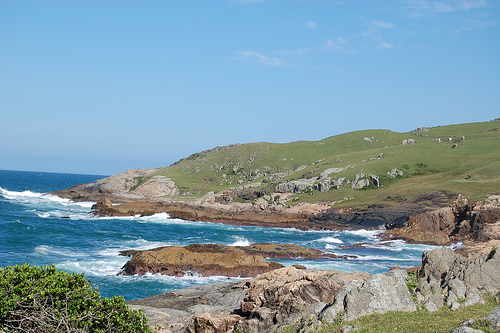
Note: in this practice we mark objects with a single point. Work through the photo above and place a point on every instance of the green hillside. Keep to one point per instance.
(471, 168)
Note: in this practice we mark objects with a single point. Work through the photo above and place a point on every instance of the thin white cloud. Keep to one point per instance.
(385, 45)
(248, 1)
(262, 59)
(311, 25)
(441, 7)
(471, 4)
(336, 45)
(424, 7)
(380, 24)
(295, 52)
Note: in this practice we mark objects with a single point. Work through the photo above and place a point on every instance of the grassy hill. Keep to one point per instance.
(472, 168)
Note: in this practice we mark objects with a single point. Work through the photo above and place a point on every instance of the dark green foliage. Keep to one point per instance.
(45, 299)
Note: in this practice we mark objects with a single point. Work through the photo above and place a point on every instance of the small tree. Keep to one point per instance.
(45, 299)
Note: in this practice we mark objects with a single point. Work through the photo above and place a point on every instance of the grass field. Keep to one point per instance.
(472, 168)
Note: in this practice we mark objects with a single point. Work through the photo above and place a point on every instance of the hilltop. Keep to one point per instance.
(382, 174)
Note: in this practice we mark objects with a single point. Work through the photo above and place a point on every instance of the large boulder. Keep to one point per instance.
(460, 281)
(378, 294)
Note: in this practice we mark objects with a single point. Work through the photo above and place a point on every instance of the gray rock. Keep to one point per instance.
(375, 180)
(329, 171)
(323, 186)
(359, 182)
(464, 329)
(379, 294)
(295, 186)
(395, 173)
(494, 318)
(408, 142)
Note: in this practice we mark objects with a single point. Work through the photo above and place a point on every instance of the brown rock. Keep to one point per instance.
(204, 260)
(459, 222)
(216, 259)
(103, 202)
(276, 296)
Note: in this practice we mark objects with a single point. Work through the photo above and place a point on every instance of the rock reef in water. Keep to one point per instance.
(216, 259)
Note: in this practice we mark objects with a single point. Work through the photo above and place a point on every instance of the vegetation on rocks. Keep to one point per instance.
(45, 299)
(421, 321)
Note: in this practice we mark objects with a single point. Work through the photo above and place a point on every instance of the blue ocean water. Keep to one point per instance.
(42, 229)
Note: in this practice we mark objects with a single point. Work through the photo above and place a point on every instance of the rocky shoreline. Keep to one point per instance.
(278, 296)
(307, 298)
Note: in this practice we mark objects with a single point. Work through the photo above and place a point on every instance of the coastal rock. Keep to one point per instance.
(216, 259)
(175, 310)
(103, 202)
(203, 259)
(448, 275)
(378, 294)
(458, 222)
(282, 296)
(305, 298)
(374, 217)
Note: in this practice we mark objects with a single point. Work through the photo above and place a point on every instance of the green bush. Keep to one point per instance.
(45, 299)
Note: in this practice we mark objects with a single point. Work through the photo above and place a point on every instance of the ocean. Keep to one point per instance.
(42, 229)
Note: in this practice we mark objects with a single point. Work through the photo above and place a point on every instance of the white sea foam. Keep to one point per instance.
(240, 241)
(51, 250)
(364, 233)
(330, 240)
(14, 194)
(376, 258)
(94, 267)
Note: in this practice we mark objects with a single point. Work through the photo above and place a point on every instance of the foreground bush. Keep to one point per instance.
(45, 299)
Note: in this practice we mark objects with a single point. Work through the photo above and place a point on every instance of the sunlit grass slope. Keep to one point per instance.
(471, 168)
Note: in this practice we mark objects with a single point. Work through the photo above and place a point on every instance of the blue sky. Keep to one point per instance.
(100, 87)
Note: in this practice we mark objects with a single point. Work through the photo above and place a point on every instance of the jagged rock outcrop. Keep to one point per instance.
(282, 296)
(459, 222)
(102, 203)
(295, 186)
(216, 259)
(458, 280)
(378, 294)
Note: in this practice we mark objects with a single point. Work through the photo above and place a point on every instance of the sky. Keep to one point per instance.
(100, 87)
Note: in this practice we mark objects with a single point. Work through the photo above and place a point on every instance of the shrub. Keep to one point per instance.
(45, 299)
